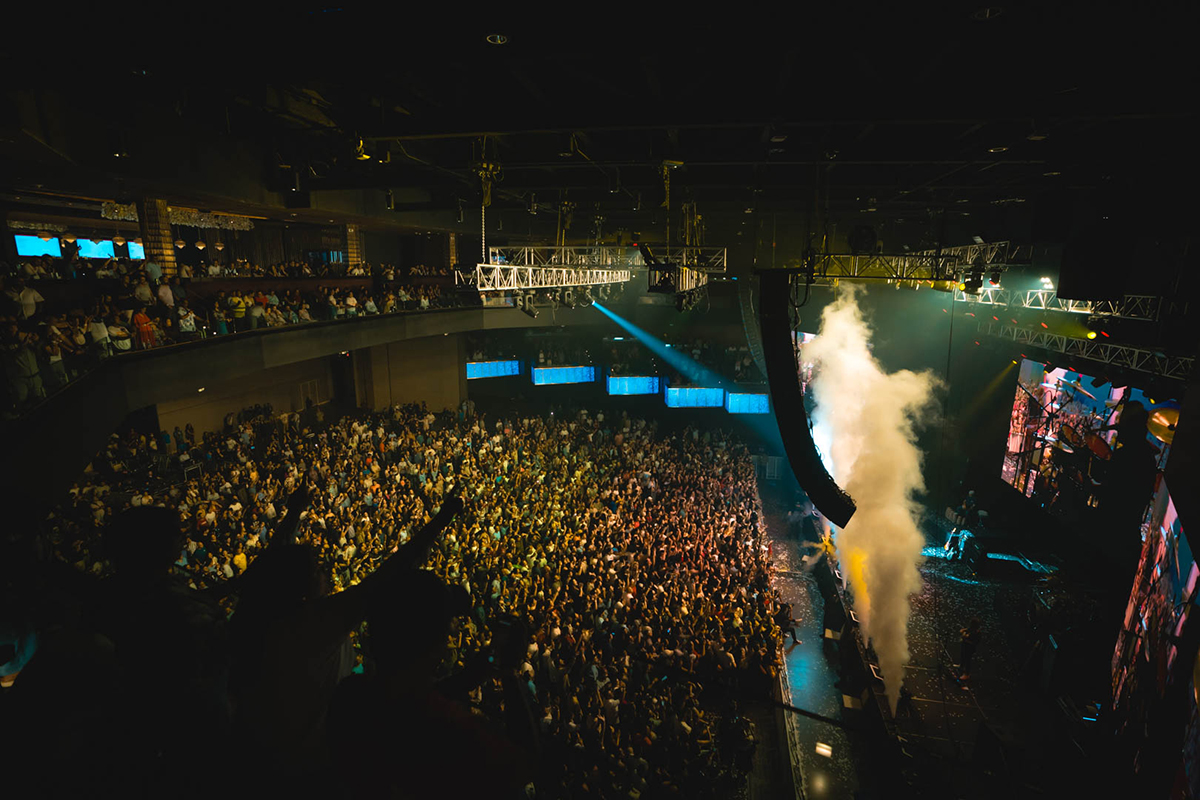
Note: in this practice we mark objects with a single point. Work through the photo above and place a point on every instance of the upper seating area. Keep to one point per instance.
(63, 316)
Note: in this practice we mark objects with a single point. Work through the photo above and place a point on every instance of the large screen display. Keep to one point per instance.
(90, 248)
(136, 251)
(545, 376)
(1163, 588)
(492, 369)
(1066, 427)
(33, 246)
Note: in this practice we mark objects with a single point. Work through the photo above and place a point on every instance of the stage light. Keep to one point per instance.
(962, 287)
(360, 152)
(497, 38)
(1091, 334)
(995, 279)
(824, 750)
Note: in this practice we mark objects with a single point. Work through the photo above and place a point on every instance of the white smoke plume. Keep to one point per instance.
(865, 423)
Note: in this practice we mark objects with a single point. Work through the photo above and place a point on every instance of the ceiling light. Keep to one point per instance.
(1091, 334)
(1052, 174)
(219, 245)
(1036, 136)
(137, 241)
(497, 38)
(44, 236)
(118, 240)
(180, 243)
(997, 149)
(201, 389)
(200, 245)
(69, 238)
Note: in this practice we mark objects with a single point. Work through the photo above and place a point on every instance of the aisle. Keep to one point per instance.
(811, 671)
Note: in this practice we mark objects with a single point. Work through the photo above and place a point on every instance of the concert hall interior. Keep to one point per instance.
(706, 403)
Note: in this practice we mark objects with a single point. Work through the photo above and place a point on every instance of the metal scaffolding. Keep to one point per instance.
(928, 265)
(1132, 306)
(1119, 355)
(564, 257)
(497, 278)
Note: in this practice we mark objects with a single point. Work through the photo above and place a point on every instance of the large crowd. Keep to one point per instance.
(608, 583)
(135, 307)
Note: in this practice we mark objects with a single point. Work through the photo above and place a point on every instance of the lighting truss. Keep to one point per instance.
(1119, 355)
(563, 257)
(924, 266)
(1131, 306)
(502, 278)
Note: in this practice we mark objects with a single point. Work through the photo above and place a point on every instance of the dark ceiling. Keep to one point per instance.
(874, 111)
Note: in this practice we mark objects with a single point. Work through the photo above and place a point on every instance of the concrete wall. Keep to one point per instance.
(431, 369)
(280, 386)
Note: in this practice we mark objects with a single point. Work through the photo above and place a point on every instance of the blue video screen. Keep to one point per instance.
(94, 249)
(747, 403)
(136, 251)
(694, 397)
(633, 384)
(545, 376)
(33, 246)
(492, 369)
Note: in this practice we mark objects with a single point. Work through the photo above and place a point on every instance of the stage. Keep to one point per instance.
(1003, 730)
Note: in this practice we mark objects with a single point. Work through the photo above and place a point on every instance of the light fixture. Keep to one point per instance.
(69, 238)
(995, 279)
(987, 13)
(824, 750)
(118, 240)
(1051, 174)
(44, 236)
(180, 243)
(137, 241)
(1091, 334)
(201, 389)
(219, 245)
(497, 38)
(200, 245)
(998, 149)
(360, 151)
(1036, 136)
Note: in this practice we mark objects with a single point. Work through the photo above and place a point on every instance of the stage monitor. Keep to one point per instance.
(136, 251)
(492, 369)
(34, 246)
(90, 248)
(694, 397)
(546, 376)
(747, 403)
(633, 384)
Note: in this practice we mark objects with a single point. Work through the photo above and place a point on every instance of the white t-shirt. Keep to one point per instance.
(29, 298)
(187, 321)
(98, 331)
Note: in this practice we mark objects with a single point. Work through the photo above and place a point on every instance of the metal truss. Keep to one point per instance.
(683, 279)
(496, 278)
(924, 266)
(1119, 355)
(563, 257)
(994, 254)
(708, 259)
(1132, 306)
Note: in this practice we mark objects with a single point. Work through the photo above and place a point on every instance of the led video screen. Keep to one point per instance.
(1066, 429)
(89, 248)
(747, 403)
(492, 369)
(136, 251)
(694, 397)
(633, 384)
(33, 246)
(1163, 588)
(546, 376)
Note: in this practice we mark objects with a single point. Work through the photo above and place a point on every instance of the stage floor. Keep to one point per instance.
(943, 720)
